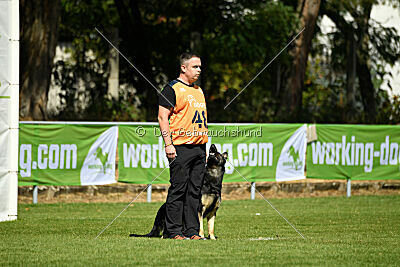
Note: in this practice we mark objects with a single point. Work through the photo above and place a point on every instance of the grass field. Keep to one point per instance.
(339, 231)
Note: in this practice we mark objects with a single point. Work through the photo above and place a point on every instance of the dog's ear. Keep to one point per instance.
(213, 149)
(225, 155)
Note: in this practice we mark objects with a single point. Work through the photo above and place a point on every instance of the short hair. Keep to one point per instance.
(186, 56)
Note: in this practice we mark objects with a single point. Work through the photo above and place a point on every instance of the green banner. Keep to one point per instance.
(359, 152)
(58, 154)
(256, 152)
(85, 154)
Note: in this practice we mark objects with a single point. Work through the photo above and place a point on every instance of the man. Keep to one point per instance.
(182, 116)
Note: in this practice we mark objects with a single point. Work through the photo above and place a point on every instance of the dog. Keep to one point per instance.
(210, 197)
(211, 190)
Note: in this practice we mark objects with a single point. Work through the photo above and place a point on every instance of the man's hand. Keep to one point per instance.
(170, 151)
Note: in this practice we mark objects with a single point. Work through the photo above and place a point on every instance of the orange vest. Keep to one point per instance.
(188, 122)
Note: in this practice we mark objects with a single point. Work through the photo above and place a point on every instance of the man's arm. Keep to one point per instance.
(163, 116)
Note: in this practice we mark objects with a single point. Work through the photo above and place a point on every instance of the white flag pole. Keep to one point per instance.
(14, 109)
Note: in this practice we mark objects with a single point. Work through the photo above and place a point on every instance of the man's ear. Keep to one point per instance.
(183, 68)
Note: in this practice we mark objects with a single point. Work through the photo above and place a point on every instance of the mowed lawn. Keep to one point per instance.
(362, 230)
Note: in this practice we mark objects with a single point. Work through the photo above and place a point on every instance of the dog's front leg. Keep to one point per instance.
(211, 221)
(201, 231)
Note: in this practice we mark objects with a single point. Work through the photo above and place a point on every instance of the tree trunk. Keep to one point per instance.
(137, 46)
(113, 79)
(367, 88)
(39, 22)
(351, 70)
(292, 93)
(360, 65)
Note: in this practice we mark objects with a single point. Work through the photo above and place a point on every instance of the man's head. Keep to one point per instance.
(190, 67)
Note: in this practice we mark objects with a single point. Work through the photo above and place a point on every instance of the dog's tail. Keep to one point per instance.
(151, 234)
(158, 226)
(135, 235)
(155, 232)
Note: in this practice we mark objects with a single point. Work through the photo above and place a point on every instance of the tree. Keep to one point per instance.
(235, 40)
(82, 76)
(291, 99)
(245, 39)
(136, 45)
(39, 21)
(360, 45)
(234, 43)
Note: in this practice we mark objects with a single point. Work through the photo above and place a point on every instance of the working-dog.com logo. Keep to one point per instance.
(99, 164)
(291, 161)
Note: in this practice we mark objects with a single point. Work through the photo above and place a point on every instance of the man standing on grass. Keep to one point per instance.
(182, 116)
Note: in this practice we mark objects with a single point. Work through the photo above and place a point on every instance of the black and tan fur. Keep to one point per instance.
(211, 190)
(210, 197)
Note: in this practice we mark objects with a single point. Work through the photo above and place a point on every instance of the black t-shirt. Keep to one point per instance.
(167, 97)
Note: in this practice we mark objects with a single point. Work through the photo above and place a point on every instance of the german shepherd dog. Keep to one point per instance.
(210, 197)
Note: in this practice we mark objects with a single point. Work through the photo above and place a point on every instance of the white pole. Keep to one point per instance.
(149, 193)
(348, 187)
(35, 194)
(9, 96)
(14, 116)
(253, 191)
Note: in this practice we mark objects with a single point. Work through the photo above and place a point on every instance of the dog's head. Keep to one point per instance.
(215, 158)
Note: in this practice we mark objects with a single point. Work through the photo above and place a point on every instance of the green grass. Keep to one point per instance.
(339, 231)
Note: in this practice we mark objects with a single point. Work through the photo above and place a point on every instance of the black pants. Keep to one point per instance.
(183, 200)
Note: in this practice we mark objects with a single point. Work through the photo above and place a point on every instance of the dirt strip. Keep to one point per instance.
(121, 192)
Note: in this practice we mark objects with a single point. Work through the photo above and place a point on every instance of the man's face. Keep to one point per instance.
(192, 69)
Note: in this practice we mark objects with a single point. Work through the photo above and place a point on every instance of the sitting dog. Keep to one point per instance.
(211, 189)
(210, 197)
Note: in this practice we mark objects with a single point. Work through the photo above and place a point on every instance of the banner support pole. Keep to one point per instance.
(348, 187)
(35, 194)
(253, 191)
(149, 189)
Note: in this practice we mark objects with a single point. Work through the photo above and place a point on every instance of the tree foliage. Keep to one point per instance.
(340, 83)
(361, 47)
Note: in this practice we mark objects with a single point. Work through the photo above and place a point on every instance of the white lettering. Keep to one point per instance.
(54, 154)
(265, 151)
(253, 154)
(318, 152)
(242, 148)
(338, 147)
(394, 148)
(131, 155)
(145, 162)
(369, 157)
(228, 148)
(162, 157)
(330, 153)
(68, 150)
(384, 157)
(359, 153)
(196, 104)
(153, 156)
(42, 149)
(25, 151)
(345, 152)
